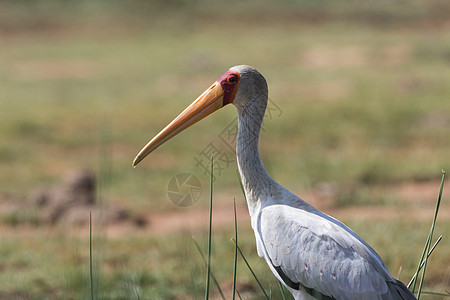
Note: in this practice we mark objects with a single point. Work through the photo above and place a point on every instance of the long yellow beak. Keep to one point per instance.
(207, 103)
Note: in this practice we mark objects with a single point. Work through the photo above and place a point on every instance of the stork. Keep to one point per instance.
(314, 255)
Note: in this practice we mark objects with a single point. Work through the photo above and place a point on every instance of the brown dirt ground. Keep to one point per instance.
(419, 199)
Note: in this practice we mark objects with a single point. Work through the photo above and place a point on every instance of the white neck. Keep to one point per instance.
(257, 183)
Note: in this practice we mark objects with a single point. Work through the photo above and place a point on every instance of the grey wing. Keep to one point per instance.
(320, 256)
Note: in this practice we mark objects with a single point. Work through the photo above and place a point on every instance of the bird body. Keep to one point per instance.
(314, 255)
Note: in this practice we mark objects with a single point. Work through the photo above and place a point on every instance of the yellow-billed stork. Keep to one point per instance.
(314, 255)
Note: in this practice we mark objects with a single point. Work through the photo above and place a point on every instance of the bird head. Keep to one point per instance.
(251, 86)
(235, 86)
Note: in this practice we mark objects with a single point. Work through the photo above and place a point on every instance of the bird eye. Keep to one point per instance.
(232, 79)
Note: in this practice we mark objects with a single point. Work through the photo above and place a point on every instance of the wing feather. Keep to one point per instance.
(320, 254)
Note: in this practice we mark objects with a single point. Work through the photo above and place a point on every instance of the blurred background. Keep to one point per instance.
(358, 125)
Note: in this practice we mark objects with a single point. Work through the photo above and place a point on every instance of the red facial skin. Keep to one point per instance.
(229, 82)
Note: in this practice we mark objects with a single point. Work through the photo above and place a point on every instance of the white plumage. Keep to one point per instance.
(314, 255)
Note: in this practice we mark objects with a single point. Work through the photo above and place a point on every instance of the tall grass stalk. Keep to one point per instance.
(91, 277)
(251, 270)
(208, 267)
(447, 294)
(283, 293)
(239, 295)
(426, 250)
(235, 251)
(423, 262)
(103, 182)
(212, 273)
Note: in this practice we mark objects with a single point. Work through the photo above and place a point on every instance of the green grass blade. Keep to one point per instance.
(423, 262)
(208, 265)
(212, 274)
(283, 294)
(428, 242)
(137, 293)
(416, 274)
(91, 277)
(251, 270)
(419, 291)
(235, 251)
(436, 293)
(239, 294)
(430, 236)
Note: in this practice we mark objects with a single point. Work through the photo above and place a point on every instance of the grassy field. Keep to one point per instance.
(362, 107)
